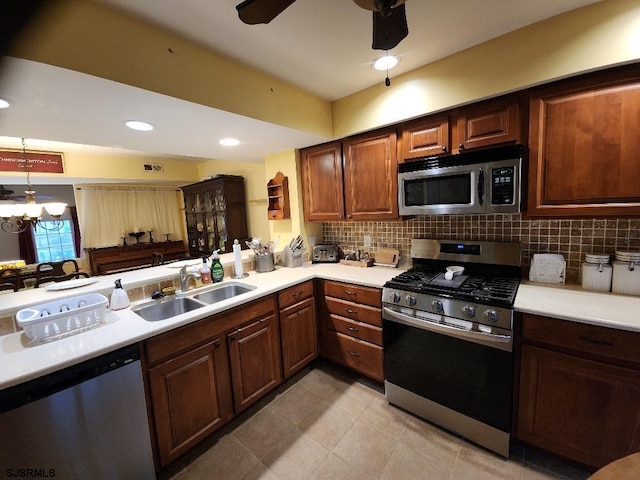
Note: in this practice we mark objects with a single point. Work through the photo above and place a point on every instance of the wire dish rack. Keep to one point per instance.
(55, 320)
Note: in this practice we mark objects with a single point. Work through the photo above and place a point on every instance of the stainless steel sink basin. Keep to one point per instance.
(217, 294)
(166, 308)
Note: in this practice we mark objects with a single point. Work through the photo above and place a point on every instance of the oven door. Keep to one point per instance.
(446, 190)
(463, 369)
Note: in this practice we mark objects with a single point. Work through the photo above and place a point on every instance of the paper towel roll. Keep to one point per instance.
(237, 258)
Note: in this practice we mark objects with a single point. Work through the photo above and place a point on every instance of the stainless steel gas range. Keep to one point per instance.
(447, 327)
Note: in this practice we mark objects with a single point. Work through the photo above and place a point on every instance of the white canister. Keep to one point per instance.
(626, 278)
(596, 276)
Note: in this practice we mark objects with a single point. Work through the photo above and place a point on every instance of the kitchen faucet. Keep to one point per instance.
(185, 276)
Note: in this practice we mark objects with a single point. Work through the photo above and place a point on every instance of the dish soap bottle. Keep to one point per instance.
(119, 298)
(217, 272)
(205, 273)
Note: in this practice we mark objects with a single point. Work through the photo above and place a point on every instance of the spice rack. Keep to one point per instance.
(278, 196)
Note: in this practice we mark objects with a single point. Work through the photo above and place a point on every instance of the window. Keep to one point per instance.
(54, 244)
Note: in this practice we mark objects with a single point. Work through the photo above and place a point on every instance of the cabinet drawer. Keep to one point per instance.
(361, 356)
(590, 339)
(360, 330)
(354, 311)
(295, 294)
(354, 293)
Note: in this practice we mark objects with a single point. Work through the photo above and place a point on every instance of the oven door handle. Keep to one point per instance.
(501, 342)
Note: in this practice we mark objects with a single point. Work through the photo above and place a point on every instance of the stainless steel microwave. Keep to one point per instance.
(486, 181)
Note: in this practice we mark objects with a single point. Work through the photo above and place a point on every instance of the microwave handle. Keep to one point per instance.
(480, 186)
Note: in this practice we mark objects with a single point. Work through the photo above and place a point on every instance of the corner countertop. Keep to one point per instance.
(21, 361)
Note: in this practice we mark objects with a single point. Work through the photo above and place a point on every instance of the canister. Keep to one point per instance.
(596, 273)
(626, 273)
(265, 263)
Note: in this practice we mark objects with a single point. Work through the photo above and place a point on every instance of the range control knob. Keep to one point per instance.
(469, 311)
(437, 306)
(395, 297)
(490, 316)
(411, 300)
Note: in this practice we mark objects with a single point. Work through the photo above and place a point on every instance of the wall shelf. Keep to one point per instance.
(278, 197)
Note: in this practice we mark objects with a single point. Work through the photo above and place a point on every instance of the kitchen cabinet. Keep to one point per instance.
(583, 146)
(355, 179)
(191, 398)
(254, 352)
(106, 260)
(579, 390)
(215, 214)
(488, 123)
(298, 327)
(425, 137)
(351, 326)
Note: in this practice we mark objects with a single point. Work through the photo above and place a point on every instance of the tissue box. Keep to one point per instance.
(547, 268)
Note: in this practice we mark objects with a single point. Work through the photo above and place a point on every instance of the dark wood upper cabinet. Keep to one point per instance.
(371, 176)
(322, 185)
(488, 123)
(583, 147)
(425, 137)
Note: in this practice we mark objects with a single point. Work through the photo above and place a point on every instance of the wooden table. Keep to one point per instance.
(625, 468)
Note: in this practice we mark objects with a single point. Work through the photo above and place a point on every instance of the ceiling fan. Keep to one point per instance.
(6, 194)
(389, 17)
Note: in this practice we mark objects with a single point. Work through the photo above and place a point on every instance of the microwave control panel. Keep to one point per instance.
(502, 185)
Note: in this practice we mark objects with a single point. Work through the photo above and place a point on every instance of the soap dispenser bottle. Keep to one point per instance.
(217, 272)
(205, 273)
(119, 298)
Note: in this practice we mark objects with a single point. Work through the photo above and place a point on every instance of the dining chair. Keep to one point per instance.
(10, 279)
(55, 272)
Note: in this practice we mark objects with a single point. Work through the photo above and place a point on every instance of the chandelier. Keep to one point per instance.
(17, 217)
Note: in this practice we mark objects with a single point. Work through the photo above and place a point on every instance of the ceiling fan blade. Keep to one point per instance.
(389, 31)
(253, 12)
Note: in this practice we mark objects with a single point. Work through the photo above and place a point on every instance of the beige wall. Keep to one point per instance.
(592, 37)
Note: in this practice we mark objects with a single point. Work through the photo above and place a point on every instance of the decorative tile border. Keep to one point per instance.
(572, 238)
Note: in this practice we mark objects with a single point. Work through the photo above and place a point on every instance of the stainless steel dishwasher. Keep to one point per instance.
(86, 421)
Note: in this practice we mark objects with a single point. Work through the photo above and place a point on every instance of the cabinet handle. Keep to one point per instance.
(352, 329)
(353, 354)
(347, 292)
(351, 312)
(297, 294)
(595, 341)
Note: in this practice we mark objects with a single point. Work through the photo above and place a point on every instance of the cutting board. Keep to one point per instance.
(387, 257)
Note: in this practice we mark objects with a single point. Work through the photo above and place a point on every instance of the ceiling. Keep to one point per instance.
(323, 47)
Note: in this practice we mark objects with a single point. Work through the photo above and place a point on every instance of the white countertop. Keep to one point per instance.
(20, 361)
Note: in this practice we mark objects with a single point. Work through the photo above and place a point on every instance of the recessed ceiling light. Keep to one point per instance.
(4, 103)
(385, 63)
(229, 142)
(139, 125)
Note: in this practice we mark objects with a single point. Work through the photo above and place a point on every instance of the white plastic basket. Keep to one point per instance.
(54, 320)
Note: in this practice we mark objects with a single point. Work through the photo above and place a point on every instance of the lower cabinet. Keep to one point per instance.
(351, 327)
(191, 397)
(579, 390)
(254, 350)
(196, 374)
(298, 327)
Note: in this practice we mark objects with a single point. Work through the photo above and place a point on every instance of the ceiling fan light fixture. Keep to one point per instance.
(4, 103)
(229, 142)
(385, 63)
(139, 125)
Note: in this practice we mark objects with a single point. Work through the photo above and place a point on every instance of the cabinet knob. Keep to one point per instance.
(232, 337)
(216, 344)
(444, 148)
(461, 146)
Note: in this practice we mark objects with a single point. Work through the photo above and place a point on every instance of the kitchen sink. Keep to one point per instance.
(217, 294)
(171, 306)
(166, 308)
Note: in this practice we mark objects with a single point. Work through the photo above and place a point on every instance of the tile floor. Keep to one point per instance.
(329, 424)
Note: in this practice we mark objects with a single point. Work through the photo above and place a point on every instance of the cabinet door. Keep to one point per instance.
(489, 123)
(425, 137)
(371, 176)
(190, 398)
(299, 332)
(322, 186)
(254, 351)
(583, 410)
(583, 152)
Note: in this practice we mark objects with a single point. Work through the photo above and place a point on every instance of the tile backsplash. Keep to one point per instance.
(571, 238)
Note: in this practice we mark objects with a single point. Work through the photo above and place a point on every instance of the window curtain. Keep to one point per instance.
(107, 213)
(27, 246)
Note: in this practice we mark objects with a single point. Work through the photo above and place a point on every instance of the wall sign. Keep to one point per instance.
(42, 162)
